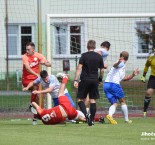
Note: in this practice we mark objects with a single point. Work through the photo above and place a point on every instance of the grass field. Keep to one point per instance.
(22, 132)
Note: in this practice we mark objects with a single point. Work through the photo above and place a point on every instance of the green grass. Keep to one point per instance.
(22, 132)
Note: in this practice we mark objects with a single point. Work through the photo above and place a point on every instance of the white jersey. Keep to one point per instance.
(52, 82)
(104, 53)
(115, 75)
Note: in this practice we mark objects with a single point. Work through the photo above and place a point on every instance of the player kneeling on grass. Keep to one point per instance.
(59, 113)
(113, 89)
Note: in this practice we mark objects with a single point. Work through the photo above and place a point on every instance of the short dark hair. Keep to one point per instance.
(91, 44)
(105, 44)
(43, 74)
(30, 44)
(124, 54)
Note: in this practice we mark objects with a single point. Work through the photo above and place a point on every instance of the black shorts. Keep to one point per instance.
(151, 83)
(88, 87)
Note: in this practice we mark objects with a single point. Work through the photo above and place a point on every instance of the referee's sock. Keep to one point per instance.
(146, 103)
(92, 110)
(82, 107)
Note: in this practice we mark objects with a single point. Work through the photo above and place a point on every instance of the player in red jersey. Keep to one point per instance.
(31, 61)
(59, 113)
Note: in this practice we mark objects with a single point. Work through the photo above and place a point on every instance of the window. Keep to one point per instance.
(69, 39)
(18, 36)
(143, 28)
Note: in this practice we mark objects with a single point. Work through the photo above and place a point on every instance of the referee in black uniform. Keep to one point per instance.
(89, 64)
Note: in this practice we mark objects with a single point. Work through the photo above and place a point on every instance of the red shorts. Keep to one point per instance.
(25, 82)
(70, 110)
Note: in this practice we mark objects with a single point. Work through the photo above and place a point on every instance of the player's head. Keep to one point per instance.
(30, 48)
(44, 76)
(106, 45)
(91, 45)
(125, 55)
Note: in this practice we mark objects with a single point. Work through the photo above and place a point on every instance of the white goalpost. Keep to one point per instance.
(118, 28)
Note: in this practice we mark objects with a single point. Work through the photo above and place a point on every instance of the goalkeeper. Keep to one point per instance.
(151, 82)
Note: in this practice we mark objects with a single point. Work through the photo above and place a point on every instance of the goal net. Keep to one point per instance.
(67, 37)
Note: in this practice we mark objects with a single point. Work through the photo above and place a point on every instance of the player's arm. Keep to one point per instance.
(129, 77)
(48, 90)
(27, 66)
(30, 70)
(77, 74)
(44, 61)
(101, 75)
(119, 63)
(147, 65)
(31, 84)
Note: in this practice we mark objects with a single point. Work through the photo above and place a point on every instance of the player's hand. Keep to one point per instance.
(136, 72)
(76, 83)
(25, 89)
(36, 92)
(105, 66)
(143, 79)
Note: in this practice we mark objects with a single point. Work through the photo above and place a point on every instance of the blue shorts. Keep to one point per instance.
(113, 92)
(56, 103)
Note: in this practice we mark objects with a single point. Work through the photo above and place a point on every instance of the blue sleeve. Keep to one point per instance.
(37, 81)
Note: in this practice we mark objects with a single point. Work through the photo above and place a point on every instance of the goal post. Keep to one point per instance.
(123, 35)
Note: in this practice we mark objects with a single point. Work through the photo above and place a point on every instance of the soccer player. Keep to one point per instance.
(87, 69)
(31, 61)
(151, 83)
(50, 85)
(59, 113)
(113, 89)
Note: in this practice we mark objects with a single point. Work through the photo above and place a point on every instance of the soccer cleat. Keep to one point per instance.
(32, 109)
(144, 114)
(60, 75)
(101, 119)
(129, 121)
(35, 122)
(111, 120)
(88, 120)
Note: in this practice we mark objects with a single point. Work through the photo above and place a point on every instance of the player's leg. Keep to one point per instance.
(110, 93)
(37, 107)
(34, 97)
(93, 95)
(149, 92)
(63, 85)
(147, 100)
(81, 96)
(87, 103)
(125, 110)
(69, 97)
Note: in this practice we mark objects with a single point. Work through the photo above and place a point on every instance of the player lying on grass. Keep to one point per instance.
(59, 113)
(113, 89)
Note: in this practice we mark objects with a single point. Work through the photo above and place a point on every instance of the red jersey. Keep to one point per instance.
(33, 61)
(54, 116)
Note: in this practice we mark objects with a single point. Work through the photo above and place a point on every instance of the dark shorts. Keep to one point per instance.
(151, 83)
(88, 87)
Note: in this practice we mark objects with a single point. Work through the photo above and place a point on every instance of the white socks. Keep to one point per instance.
(125, 112)
(112, 110)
